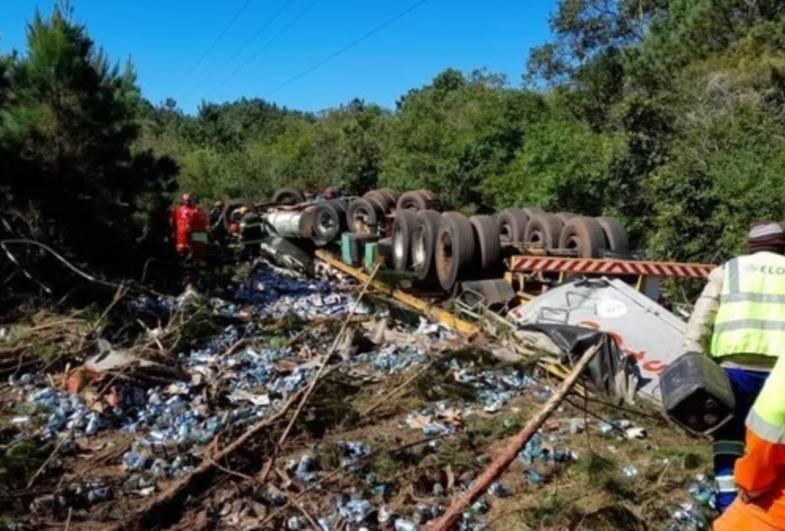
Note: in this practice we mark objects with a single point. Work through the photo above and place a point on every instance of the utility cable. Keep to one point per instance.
(221, 35)
(346, 48)
(266, 45)
(250, 41)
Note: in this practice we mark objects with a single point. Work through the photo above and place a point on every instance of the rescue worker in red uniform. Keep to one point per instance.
(190, 229)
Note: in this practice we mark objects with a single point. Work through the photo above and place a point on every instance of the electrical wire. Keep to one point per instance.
(266, 45)
(221, 35)
(250, 41)
(346, 48)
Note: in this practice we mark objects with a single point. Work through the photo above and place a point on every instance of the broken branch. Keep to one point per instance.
(453, 515)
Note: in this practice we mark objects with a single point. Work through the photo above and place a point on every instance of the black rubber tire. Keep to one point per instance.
(340, 205)
(423, 251)
(362, 216)
(432, 199)
(532, 211)
(231, 206)
(380, 200)
(512, 225)
(402, 233)
(615, 234)
(545, 229)
(430, 196)
(585, 234)
(412, 200)
(288, 195)
(392, 195)
(488, 241)
(455, 249)
(326, 224)
(565, 216)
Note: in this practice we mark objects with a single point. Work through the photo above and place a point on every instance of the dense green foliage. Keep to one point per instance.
(667, 113)
(67, 124)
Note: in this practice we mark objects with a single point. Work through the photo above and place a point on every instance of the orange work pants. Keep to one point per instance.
(742, 516)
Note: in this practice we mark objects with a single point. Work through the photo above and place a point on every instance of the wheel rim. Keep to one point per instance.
(325, 221)
(398, 249)
(446, 255)
(361, 224)
(419, 252)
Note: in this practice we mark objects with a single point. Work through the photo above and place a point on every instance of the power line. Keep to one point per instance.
(256, 34)
(266, 45)
(346, 48)
(221, 35)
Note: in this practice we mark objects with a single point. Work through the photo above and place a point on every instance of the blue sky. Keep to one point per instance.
(175, 48)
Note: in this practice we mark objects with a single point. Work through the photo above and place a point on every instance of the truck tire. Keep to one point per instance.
(544, 229)
(231, 206)
(288, 195)
(615, 234)
(419, 200)
(426, 228)
(532, 211)
(584, 234)
(512, 225)
(412, 199)
(565, 216)
(340, 205)
(454, 249)
(402, 232)
(433, 199)
(392, 195)
(488, 241)
(380, 200)
(326, 224)
(362, 216)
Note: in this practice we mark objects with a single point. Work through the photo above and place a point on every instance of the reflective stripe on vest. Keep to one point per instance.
(767, 416)
(751, 316)
(735, 448)
(725, 484)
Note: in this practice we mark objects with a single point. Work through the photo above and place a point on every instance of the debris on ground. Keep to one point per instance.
(402, 421)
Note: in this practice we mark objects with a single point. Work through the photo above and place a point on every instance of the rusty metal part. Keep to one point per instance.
(362, 216)
(424, 307)
(455, 249)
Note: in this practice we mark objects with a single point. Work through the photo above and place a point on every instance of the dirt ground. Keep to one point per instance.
(402, 420)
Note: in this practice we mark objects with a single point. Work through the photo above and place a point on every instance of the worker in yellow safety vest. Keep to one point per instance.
(760, 474)
(739, 320)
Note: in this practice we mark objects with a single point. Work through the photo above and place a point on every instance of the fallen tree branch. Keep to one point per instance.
(453, 515)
